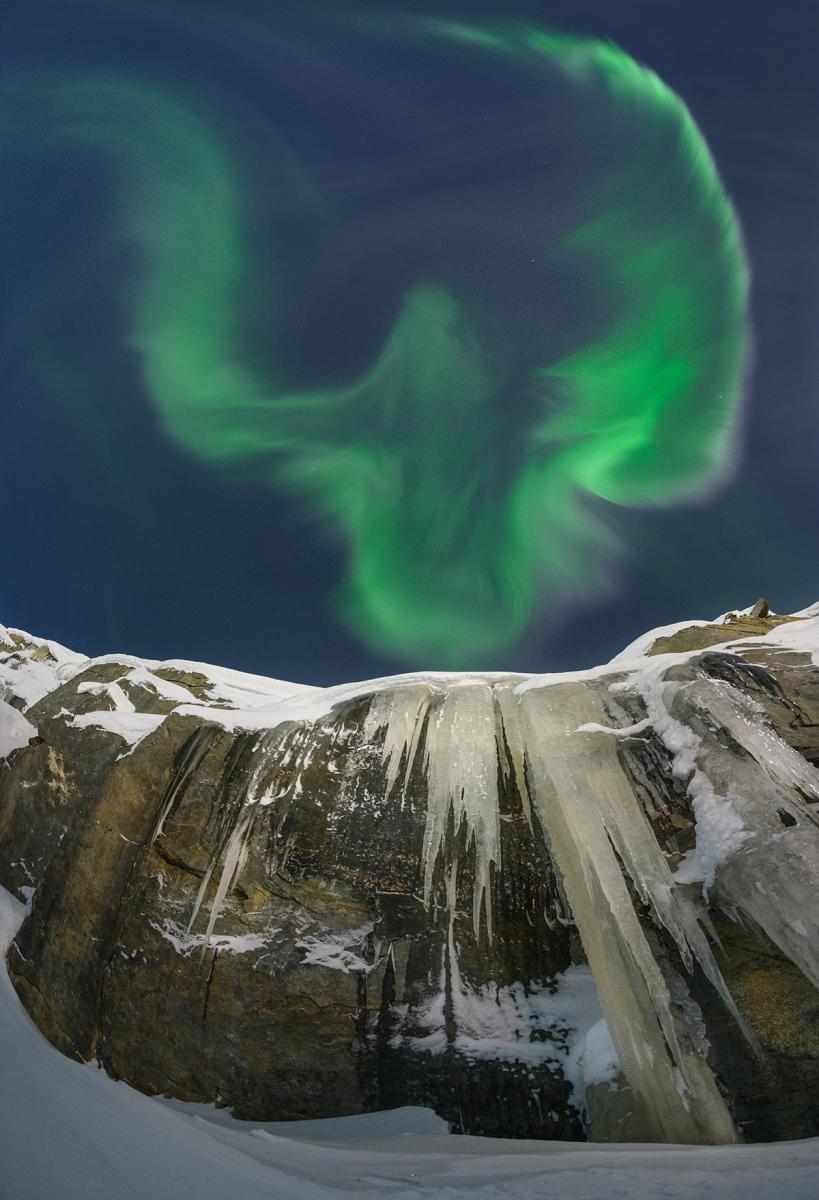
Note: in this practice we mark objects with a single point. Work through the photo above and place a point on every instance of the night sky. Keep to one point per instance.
(349, 232)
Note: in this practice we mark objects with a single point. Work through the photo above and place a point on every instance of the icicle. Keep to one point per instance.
(461, 764)
(235, 859)
(509, 736)
(200, 895)
(232, 844)
(455, 985)
(588, 811)
(191, 757)
(402, 710)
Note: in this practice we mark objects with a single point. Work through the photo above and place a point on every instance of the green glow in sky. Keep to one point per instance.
(451, 552)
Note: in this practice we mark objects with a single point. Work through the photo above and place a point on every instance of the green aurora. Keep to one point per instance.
(451, 550)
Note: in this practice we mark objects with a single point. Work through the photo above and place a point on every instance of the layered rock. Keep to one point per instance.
(549, 906)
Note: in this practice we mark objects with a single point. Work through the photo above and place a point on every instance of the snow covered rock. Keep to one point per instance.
(552, 906)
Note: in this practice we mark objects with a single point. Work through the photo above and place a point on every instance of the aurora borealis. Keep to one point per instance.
(458, 352)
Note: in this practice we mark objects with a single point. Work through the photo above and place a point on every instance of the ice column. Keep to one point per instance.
(591, 816)
(461, 761)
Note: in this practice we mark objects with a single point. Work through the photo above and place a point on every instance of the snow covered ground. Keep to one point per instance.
(70, 1131)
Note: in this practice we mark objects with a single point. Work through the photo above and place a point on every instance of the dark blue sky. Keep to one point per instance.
(115, 539)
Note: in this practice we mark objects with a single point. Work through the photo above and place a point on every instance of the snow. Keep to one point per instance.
(641, 645)
(142, 677)
(801, 636)
(132, 727)
(337, 951)
(39, 666)
(560, 1023)
(70, 1131)
(112, 691)
(122, 719)
(812, 610)
(593, 1057)
(185, 943)
(241, 701)
(719, 828)
(15, 730)
(719, 834)
(28, 677)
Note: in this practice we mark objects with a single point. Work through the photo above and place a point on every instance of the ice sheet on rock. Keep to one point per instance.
(236, 822)
(593, 822)
(759, 869)
(15, 730)
(771, 865)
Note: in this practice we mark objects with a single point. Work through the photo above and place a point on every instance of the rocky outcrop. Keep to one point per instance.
(731, 627)
(551, 907)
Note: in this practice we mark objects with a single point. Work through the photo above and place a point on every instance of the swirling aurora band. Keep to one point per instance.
(450, 552)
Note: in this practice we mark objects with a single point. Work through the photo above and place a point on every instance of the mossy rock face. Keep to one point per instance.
(782, 1007)
(775, 1090)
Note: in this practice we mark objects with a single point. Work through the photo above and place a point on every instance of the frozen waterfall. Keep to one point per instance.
(644, 929)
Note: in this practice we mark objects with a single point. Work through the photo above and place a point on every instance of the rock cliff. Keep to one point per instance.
(551, 906)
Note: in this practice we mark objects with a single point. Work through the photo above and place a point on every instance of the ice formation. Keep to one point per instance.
(600, 840)
(554, 742)
(461, 764)
(464, 741)
(772, 863)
